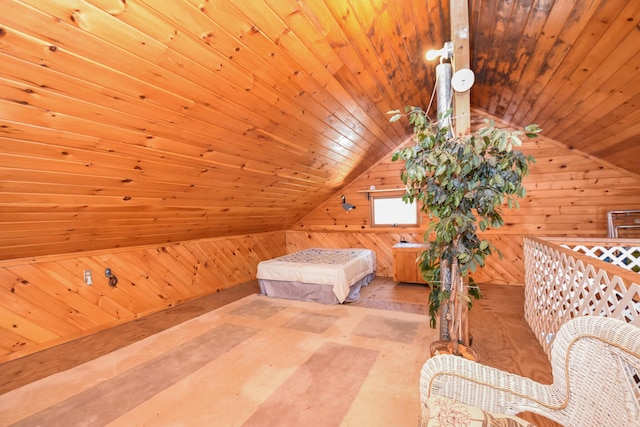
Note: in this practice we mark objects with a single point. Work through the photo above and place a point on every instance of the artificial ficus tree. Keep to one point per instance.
(462, 183)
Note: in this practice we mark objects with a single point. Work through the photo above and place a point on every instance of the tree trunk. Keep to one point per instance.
(454, 313)
(445, 283)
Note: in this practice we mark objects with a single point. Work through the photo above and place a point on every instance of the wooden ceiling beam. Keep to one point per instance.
(460, 38)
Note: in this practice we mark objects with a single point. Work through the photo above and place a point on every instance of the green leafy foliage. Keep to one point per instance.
(462, 183)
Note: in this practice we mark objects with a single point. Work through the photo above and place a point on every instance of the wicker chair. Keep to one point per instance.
(596, 378)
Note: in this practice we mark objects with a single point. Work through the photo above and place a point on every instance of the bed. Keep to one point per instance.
(328, 276)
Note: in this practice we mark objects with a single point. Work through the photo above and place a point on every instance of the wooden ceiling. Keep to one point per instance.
(128, 122)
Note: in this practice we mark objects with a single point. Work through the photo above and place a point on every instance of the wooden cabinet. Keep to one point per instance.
(405, 265)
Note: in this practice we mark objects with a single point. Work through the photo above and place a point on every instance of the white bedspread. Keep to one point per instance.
(338, 267)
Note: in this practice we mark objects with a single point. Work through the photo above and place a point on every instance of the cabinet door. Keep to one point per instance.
(405, 267)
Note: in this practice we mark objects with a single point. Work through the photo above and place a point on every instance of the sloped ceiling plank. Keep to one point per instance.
(493, 40)
(306, 91)
(582, 80)
(375, 24)
(172, 139)
(364, 71)
(217, 116)
(604, 34)
(556, 40)
(317, 68)
(513, 23)
(309, 91)
(606, 93)
(186, 91)
(515, 56)
(169, 121)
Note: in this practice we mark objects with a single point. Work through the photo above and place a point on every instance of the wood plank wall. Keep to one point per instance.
(46, 302)
(568, 194)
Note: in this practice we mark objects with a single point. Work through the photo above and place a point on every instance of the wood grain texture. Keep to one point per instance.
(147, 136)
(568, 194)
(138, 122)
(45, 301)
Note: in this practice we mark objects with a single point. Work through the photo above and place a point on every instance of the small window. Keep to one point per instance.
(393, 211)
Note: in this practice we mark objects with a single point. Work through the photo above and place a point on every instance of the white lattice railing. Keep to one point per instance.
(624, 253)
(566, 278)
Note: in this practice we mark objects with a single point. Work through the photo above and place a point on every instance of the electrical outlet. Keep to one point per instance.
(87, 277)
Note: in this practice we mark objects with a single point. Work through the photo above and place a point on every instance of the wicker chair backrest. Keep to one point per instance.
(596, 367)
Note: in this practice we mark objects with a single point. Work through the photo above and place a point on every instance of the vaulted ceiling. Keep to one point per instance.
(126, 122)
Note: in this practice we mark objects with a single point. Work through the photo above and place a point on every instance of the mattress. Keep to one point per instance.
(339, 268)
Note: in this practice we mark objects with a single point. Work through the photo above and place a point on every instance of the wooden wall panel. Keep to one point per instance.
(568, 194)
(45, 301)
(129, 123)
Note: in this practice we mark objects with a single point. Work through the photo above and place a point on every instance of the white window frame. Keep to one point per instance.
(400, 205)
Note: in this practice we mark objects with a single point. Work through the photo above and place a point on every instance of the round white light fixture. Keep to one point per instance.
(462, 80)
